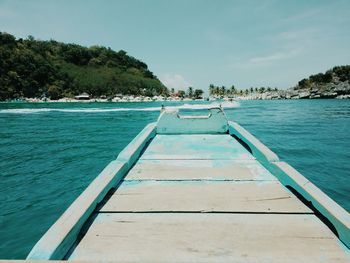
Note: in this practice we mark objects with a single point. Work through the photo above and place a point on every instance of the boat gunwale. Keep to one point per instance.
(60, 237)
(54, 246)
(290, 177)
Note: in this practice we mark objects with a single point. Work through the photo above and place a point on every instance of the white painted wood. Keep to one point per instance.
(133, 150)
(209, 238)
(323, 203)
(260, 151)
(199, 170)
(61, 235)
(195, 147)
(194, 165)
(205, 196)
(170, 122)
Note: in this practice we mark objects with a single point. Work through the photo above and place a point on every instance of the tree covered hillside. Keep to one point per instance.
(34, 68)
(336, 75)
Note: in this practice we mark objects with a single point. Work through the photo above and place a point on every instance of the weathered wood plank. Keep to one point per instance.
(133, 150)
(260, 151)
(61, 235)
(197, 146)
(337, 215)
(199, 170)
(209, 238)
(199, 196)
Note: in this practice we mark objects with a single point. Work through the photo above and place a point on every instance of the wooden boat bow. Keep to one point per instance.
(198, 188)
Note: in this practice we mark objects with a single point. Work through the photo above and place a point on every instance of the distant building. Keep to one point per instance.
(83, 96)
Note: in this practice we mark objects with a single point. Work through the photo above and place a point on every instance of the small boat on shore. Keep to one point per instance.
(198, 188)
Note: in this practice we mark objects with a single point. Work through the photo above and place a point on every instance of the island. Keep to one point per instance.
(34, 70)
(31, 68)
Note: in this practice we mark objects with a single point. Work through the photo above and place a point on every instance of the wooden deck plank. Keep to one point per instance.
(199, 170)
(209, 238)
(197, 147)
(199, 196)
(204, 198)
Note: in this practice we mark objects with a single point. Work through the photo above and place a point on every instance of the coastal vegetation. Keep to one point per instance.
(222, 91)
(31, 68)
(334, 83)
(335, 75)
(191, 93)
(34, 68)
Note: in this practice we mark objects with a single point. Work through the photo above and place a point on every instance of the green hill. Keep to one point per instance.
(33, 68)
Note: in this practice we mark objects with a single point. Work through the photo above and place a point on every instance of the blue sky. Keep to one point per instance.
(198, 42)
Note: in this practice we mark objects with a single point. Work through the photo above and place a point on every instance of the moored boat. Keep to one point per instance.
(198, 188)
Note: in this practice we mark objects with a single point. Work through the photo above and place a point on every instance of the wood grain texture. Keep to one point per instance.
(203, 196)
(209, 238)
(199, 170)
(196, 147)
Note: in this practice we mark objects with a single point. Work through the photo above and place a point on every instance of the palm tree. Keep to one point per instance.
(233, 90)
(222, 90)
(190, 92)
(217, 90)
(211, 89)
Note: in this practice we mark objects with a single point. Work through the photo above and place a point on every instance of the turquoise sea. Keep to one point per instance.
(50, 152)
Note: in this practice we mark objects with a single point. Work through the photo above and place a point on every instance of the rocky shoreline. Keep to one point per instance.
(333, 90)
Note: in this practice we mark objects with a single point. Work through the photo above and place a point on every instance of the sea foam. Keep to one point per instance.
(225, 105)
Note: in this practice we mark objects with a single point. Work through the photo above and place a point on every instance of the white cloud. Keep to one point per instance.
(269, 60)
(175, 81)
(275, 56)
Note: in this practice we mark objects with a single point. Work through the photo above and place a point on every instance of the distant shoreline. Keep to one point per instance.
(263, 96)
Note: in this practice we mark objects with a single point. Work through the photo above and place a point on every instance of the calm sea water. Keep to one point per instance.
(51, 152)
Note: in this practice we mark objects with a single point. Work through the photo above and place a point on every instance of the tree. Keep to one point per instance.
(222, 90)
(217, 90)
(233, 90)
(172, 91)
(251, 89)
(54, 92)
(304, 83)
(30, 67)
(190, 92)
(211, 90)
(181, 93)
(198, 93)
(30, 38)
(7, 39)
